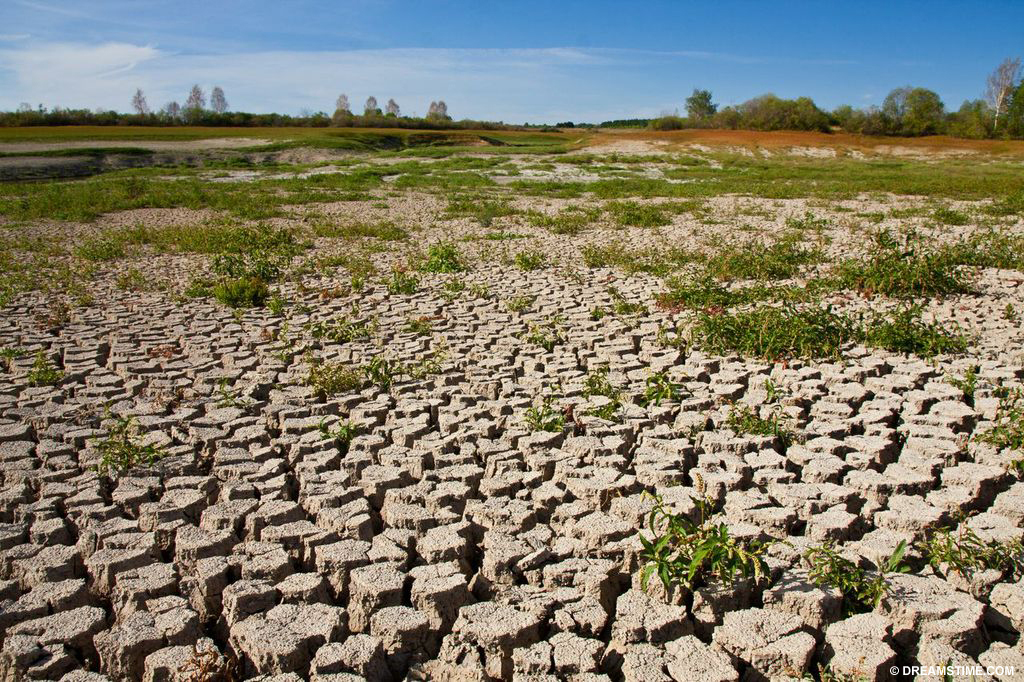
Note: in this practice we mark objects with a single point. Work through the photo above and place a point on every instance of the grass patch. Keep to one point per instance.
(443, 257)
(906, 332)
(530, 259)
(902, 268)
(744, 420)
(122, 450)
(241, 292)
(862, 590)
(634, 214)
(775, 333)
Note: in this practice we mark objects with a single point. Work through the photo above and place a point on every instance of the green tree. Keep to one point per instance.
(699, 106)
(1014, 119)
(924, 113)
(974, 120)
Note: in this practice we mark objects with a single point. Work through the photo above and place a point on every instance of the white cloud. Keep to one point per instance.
(515, 85)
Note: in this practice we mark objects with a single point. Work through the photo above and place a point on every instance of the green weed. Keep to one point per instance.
(43, 372)
(687, 553)
(532, 259)
(443, 257)
(328, 379)
(545, 417)
(121, 449)
(658, 388)
(861, 590)
(963, 552)
(743, 420)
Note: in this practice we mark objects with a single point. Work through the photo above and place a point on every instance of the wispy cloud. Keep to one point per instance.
(510, 84)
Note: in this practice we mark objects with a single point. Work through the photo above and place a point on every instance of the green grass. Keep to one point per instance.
(1008, 431)
(775, 333)
(756, 260)
(862, 590)
(900, 266)
(633, 214)
(905, 332)
(443, 257)
(329, 379)
(744, 420)
(655, 261)
(122, 450)
(241, 292)
(530, 259)
(43, 372)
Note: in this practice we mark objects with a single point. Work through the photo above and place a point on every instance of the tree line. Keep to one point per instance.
(906, 111)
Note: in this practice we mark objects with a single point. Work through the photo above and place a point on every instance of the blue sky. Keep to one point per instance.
(512, 61)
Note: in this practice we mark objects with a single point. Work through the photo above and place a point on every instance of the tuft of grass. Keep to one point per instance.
(545, 417)
(402, 282)
(519, 303)
(906, 332)
(342, 329)
(901, 268)
(687, 553)
(329, 378)
(598, 384)
(241, 292)
(744, 420)
(989, 249)
(342, 433)
(547, 335)
(658, 387)
(122, 450)
(949, 216)
(43, 372)
(419, 325)
(967, 384)
(861, 590)
(1008, 431)
(659, 261)
(775, 333)
(756, 260)
(570, 221)
(484, 211)
(635, 214)
(102, 248)
(531, 259)
(963, 552)
(443, 257)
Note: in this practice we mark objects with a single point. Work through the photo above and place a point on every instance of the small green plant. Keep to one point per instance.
(133, 280)
(402, 282)
(773, 392)
(443, 257)
(967, 385)
(1008, 431)
(382, 371)
(7, 355)
(243, 292)
(621, 306)
(755, 259)
(775, 333)
(530, 260)
(905, 332)
(861, 590)
(328, 378)
(687, 553)
(228, 397)
(949, 216)
(103, 248)
(598, 384)
(43, 372)
(276, 305)
(342, 433)
(634, 214)
(902, 268)
(1010, 313)
(547, 336)
(545, 417)
(342, 329)
(519, 303)
(658, 388)
(419, 325)
(963, 552)
(744, 420)
(121, 449)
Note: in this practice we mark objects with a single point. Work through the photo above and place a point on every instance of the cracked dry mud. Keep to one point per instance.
(449, 542)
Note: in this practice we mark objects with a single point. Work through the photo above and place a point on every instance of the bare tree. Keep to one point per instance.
(342, 104)
(172, 110)
(371, 107)
(196, 99)
(1001, 83)
(139, 102)
(217, 100)
(392, 108)
(24, 108)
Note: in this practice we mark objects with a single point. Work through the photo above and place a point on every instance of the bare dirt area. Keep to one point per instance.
(521, 417)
